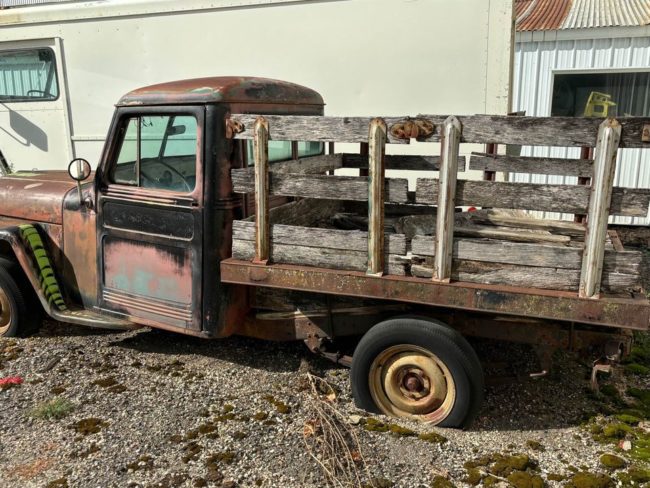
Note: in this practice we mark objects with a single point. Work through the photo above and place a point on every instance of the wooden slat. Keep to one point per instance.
(261, 157)
(404, 162)
(528, 277)
(310, 165)
(376, 178)
(322, 186)
(609, 135)
(533, 131)
(530, 196)
(317, 256)
(444, 236)
(521, 164)
(561, 227)
(350, 240)
(306, 212)
(528, 254)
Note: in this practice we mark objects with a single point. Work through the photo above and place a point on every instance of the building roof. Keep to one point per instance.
(229, 89)
(535, 15)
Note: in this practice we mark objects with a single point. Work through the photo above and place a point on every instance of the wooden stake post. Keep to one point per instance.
(376, 175)
(444, 238)
(262, 226)
(609, 135)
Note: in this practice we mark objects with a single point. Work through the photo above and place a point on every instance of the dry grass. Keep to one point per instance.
(329, 438)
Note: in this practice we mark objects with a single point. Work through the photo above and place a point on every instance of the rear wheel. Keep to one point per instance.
(417, 369)
(20, 314)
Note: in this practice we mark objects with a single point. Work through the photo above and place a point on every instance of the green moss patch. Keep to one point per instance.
(535, 445)
(280, 406)
(611, 461)
(585, 479)
(522, 479)
(89, 426)
(441, 482)
(432, 437)
(143, 463)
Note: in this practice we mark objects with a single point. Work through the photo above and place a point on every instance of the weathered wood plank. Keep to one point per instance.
(305, 212)
(522, 164)
(309, 165)
(322, 186)
(351, 240)
(406, 162)
(317, 256)
(413, 225)
(530, 196)
(609, 134)
(533, 131)
(444, 236)
(376, 178)
(528, 277)
(527, 254)
(261, 157)
(561, 227)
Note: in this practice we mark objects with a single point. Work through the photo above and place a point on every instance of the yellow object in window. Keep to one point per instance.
(598, 104)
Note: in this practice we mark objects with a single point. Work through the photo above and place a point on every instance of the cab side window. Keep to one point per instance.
(157, 151)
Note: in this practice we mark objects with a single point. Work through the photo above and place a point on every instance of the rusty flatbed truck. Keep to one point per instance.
(209, 215)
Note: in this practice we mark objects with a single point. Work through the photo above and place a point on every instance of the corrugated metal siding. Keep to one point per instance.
(542, 15)
(536, 15)
(607, 13)
(535, 63)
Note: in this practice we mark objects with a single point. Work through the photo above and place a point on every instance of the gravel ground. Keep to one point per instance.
(149, 408)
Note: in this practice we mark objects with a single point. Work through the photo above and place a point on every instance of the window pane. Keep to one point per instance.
(278, 151)
(28, 75)
(124, 171)
(602, 95)
(168, 147)
(309, 149)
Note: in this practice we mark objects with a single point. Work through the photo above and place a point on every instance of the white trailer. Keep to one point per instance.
(64, 65)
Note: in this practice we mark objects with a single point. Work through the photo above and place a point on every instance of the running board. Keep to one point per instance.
(88, 318)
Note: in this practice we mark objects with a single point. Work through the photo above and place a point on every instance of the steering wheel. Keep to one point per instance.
(42, 93)
(153, 180)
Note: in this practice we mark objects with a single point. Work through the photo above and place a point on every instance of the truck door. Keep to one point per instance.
(34, 122)
(150, 216)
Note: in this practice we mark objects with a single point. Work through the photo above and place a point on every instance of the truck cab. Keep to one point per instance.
(139, 242)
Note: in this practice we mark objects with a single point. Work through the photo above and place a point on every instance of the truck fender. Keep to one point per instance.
(33, 258)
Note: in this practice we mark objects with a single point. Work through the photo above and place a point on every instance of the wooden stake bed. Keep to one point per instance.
(416, 247)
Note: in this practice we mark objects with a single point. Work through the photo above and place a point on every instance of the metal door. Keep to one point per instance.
(150, 216)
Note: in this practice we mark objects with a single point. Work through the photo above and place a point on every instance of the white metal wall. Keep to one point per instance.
(535, 65)
(366, 57)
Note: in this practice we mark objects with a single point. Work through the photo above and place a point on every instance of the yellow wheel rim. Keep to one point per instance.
(5, 312)
(411, 382)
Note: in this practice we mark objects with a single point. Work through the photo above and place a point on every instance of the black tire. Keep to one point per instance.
(476, 376)
(451, 352)
(25, 312)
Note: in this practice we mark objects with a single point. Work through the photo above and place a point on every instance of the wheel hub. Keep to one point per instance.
(5, 312)
(410, 381)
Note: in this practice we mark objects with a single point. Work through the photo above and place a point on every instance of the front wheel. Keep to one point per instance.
(18, 315)
(418, 369)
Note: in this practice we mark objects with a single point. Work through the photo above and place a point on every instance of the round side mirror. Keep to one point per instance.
(79, 169)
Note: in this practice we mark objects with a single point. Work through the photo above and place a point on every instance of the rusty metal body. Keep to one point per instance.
(140, 256)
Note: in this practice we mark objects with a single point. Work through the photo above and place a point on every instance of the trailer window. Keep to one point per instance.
(158, 151)
(601, 94)
(28, 75)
